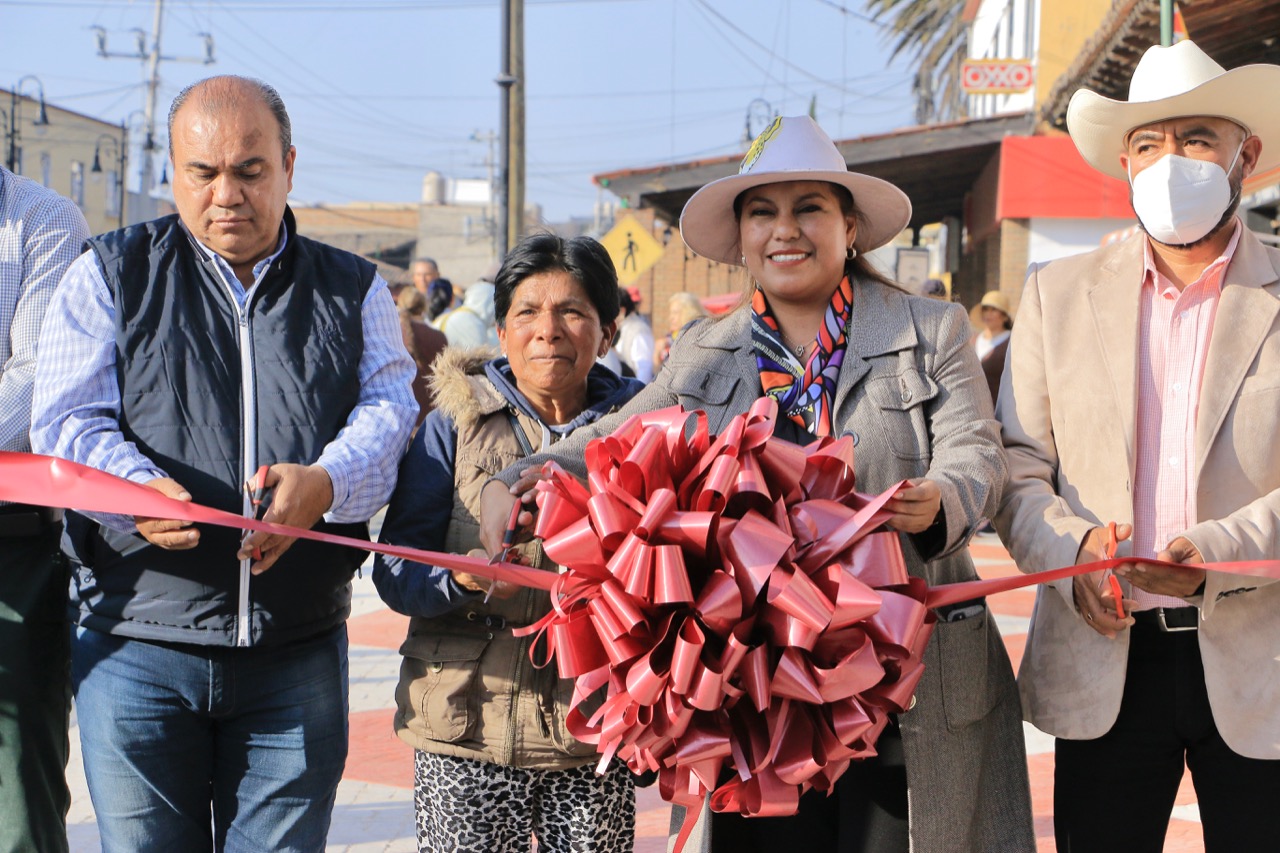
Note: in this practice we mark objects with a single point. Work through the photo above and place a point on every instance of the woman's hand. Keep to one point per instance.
(496, 501)
(915, 506)
(490, 588)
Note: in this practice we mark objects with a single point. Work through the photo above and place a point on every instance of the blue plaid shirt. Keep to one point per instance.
(77, 397)
(41, 233)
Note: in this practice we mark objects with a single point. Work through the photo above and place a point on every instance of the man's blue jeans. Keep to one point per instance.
(199, 748)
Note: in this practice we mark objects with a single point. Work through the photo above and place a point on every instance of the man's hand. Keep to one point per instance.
(301, 495)
(168, 534)
(495, 508)
(914, 507)
(1099, 607)
(1162, 580)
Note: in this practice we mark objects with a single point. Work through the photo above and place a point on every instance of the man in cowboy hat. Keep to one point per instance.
(1144, 388)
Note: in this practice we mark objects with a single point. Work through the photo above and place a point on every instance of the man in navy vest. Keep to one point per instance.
(210, 674)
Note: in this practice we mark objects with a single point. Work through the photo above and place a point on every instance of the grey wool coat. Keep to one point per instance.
(914, 398)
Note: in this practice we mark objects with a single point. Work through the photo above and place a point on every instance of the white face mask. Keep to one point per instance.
(1179, 200)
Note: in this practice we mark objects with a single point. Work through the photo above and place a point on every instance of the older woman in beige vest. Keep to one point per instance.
(494, 764)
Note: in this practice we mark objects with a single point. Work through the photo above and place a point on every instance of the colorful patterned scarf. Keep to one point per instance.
(804, 393)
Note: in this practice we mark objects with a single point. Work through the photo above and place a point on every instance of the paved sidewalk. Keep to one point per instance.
(374, 812)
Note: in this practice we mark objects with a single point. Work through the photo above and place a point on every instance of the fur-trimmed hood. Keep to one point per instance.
(469, 384)
(460, 387)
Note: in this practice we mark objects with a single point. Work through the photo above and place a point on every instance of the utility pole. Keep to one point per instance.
(511, 127)
(152, 58)
(149, 112)
(515, 220)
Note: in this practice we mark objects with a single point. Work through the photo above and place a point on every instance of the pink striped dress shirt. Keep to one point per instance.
(1174, 332)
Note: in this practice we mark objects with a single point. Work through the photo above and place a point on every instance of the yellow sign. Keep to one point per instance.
(632, 248)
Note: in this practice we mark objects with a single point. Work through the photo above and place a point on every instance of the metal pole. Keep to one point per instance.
(124, 165)
(149, 141)
(1166, 22)
(516, 163)
(504, 82)
(13, 130)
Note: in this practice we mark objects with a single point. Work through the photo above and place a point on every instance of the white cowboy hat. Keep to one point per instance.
(791, 149)
(1172, 82)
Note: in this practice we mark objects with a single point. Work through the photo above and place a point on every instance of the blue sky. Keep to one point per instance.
(382, 91)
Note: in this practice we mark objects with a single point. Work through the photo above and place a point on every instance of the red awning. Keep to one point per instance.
(1045, 176)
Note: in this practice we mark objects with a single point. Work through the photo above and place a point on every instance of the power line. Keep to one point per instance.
(703, 4)
(342, 6)
(840, 7)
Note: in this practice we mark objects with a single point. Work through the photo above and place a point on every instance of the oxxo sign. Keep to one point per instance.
(997, 76)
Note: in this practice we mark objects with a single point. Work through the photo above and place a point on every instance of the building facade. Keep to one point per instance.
(81, 157)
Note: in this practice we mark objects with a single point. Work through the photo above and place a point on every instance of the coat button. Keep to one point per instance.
(906, 392)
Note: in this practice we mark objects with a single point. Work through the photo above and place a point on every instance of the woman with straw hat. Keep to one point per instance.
(994, 319)
(845, 351)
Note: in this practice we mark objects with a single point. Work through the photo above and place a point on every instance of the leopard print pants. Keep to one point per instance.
(467, 806)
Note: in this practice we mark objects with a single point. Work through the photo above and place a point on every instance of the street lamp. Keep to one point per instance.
(759, 113)
(121, 159)
(15, 121)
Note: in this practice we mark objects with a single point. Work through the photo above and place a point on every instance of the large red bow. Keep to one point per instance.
(749, 624)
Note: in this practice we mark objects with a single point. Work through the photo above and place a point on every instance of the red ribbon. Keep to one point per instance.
(46, 481)
(738, 606)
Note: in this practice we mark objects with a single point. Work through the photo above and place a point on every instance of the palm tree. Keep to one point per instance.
(932, 34)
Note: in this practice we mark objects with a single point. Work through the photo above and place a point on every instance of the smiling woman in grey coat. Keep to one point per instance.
(845, 351)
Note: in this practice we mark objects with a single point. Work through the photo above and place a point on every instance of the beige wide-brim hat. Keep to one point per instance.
(1173, 82)
(793, 148)
(991, 299)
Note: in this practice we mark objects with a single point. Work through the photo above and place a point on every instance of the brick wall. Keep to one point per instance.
(998, 262)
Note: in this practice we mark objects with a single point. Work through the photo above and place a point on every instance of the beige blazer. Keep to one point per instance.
(1068, 409)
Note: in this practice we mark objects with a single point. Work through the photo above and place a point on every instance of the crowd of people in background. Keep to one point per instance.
(1131, 411)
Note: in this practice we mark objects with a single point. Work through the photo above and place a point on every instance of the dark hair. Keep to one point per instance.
(581, 257)
(213, 99)
(625, 302)
(439, 297)
(425, 260)
(857, 268)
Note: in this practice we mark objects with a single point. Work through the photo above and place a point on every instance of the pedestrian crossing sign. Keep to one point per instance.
(632, 248)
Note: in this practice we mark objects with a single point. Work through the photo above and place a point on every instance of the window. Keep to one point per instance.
(46, 168)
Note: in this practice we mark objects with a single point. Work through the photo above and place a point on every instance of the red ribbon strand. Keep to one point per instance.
(734, 614)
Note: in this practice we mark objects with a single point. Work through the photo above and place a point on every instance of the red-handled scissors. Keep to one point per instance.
(1116, 591)
(257, 489)
(508, 541)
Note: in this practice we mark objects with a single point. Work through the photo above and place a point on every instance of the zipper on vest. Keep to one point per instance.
(248, 454)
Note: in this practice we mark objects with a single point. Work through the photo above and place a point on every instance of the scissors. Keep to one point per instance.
(508, 542)
(258, 492)
(1116, 591)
